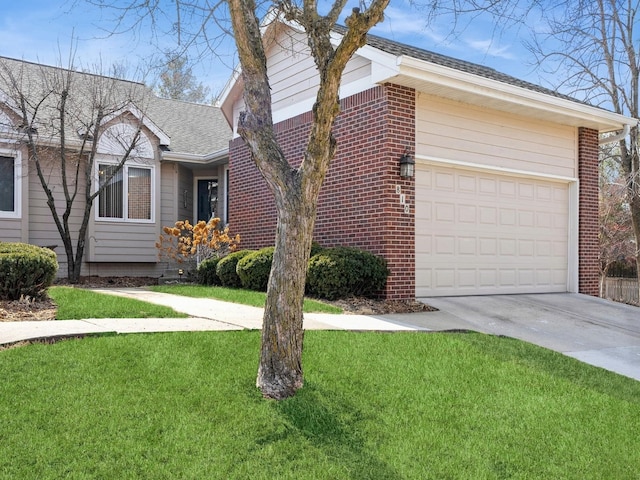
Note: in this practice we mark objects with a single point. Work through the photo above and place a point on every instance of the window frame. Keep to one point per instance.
(125, 189)
(17, 183)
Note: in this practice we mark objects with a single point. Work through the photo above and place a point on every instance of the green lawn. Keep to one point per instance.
(77, 303)
(237, 295)
(374, 406)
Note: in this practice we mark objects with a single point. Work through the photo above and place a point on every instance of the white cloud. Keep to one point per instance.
(489, 47)
(410, 26)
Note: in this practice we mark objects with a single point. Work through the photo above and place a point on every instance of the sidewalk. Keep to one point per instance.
(204, 315)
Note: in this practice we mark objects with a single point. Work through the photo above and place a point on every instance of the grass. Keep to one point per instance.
(77, 303)
(374, 406)
(236, 295)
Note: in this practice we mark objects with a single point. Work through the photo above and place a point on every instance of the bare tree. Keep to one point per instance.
(61, 115)
(295, 189)
(592, 44)
(617, 245)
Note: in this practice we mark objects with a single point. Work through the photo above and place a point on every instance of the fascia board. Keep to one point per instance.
(230, 94)
(455, 79)
(146, 121)
(193, 158)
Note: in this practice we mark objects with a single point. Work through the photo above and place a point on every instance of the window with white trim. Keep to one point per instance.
(128, 194)
(9, 185)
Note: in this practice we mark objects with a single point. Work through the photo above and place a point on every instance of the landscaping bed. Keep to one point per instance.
(45, 309)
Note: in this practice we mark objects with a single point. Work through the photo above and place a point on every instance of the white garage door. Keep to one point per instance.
(484, 233)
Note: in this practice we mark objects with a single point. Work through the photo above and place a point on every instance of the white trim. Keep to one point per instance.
(225, 203)
(573, 242)
(125, 180)
(463, 81)
(146, 121)
(116, 139)
(195, 192)
(205, 159)
(425, 159)
(573, 207)
(17, 183)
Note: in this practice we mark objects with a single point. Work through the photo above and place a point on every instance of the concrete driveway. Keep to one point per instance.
(593, 330)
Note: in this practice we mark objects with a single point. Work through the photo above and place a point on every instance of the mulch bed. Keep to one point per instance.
(45, 309)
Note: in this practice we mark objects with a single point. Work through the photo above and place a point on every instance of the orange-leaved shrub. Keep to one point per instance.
(184, 241)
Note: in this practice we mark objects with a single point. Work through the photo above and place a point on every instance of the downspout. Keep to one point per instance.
(617, 137)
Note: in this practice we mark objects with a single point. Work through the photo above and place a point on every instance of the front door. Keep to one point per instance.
(207, 199)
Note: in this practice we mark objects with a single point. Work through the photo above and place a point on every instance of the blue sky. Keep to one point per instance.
(42, 31)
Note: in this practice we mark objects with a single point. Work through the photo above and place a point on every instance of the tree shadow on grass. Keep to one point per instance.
(336, 428)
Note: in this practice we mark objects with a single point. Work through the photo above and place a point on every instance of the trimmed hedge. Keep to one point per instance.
(206, 272)
(226, 268)
(25, 270)
(254, 269)
(341, 272)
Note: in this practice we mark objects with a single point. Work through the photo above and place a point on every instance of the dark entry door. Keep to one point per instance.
(207, 199)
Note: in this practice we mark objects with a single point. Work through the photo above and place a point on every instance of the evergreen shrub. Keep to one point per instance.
(25, 270)
(206, 272)
(226, 269)
(341, 272)
(254, 269)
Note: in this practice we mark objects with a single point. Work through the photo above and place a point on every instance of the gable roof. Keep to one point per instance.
(399, 49)
(182, 127)
(194, 128)
(459, 80)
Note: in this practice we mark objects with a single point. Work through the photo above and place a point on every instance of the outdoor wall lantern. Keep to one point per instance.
(407, 164)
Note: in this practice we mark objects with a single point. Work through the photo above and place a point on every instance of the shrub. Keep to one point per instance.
(184, 241)
(206, 272)
(316, 248)
(344, 271)
(254, 269)
(226, 269)
(25, 270)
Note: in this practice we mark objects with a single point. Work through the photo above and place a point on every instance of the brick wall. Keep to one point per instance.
(358, 204)
(588, 248)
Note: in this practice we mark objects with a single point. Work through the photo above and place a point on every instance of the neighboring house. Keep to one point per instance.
(505, 193)
(179, 172)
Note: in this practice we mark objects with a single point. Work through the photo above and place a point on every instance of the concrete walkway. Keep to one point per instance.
(595, 331)
(204, 315)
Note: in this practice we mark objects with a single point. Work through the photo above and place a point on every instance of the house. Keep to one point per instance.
(179, 170)
(504, 198)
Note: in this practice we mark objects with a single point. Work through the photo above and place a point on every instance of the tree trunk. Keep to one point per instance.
(280, 371)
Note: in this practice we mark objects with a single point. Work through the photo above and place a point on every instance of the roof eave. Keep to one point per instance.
(420, 73)
(193, 158)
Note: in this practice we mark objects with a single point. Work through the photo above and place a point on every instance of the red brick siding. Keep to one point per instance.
(588, 250)
(358, 204)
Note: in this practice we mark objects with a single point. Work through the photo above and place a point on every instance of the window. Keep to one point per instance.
(9, 186)
(127, 194)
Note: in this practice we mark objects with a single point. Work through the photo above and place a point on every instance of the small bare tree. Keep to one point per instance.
(616, 239)
(61, 115)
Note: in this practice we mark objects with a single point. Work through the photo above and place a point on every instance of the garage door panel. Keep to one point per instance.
(478, 233)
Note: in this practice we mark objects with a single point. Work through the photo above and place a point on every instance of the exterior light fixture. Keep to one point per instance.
(180, 273)
(407, 164)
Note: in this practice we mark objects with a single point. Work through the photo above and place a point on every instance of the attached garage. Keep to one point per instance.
(483, 232)
(505, 194)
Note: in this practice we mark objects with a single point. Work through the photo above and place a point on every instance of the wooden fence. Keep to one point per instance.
(623, 290)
